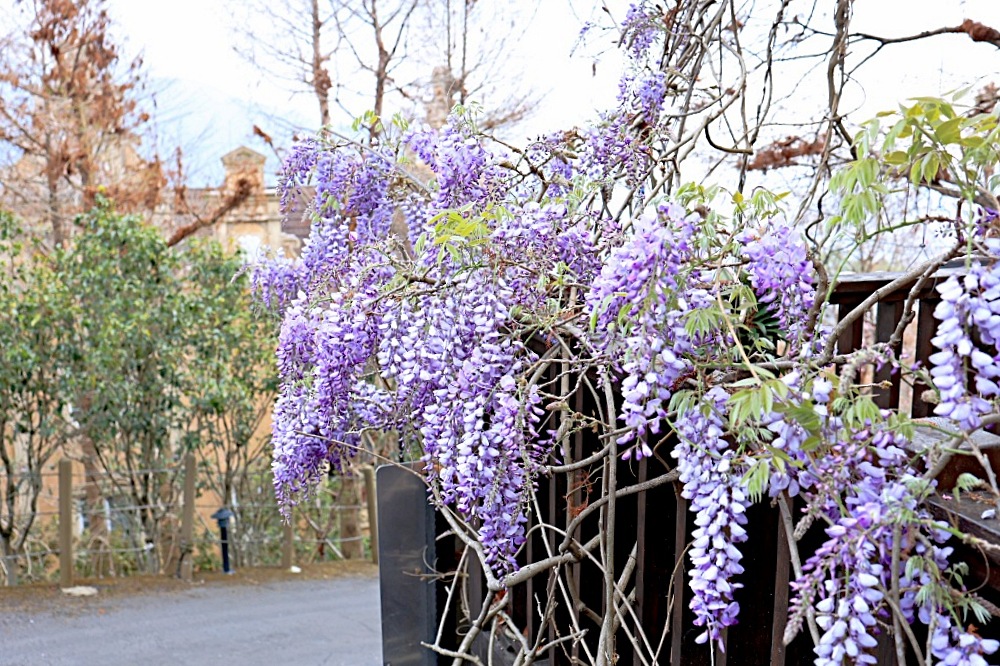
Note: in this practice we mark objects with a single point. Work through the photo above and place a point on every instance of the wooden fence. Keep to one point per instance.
(62, 559)
(658, 523)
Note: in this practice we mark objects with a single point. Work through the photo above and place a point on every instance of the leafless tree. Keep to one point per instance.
(70, 119)
(381, 55)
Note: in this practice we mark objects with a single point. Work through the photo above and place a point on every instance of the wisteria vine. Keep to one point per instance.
(461, 293)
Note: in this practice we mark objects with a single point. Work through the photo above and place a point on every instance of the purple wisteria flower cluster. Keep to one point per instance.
(640, 29)
(712, 475)
(781, 275)
(969, 305)
(862, 483)
(366, 345)
(851, 574)
(276, 281)
(465, 171)
(455, 371)
(638, 307)
(323, 404)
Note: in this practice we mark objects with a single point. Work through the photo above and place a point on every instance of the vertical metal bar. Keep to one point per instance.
(926, 329)
(640, 556)
(65, 523)
(224, 540)
(408, 553)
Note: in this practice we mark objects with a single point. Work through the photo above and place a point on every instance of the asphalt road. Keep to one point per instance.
(310, 622)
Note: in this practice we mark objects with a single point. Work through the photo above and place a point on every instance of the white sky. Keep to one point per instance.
(209, 98)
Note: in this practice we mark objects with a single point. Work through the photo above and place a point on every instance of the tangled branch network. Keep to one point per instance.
(459, 292)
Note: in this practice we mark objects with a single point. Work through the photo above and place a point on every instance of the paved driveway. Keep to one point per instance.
(310, 622)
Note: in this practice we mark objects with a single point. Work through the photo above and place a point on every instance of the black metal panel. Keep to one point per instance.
(405, 549)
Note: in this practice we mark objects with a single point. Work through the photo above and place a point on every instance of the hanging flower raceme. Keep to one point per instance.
(712, 481)
(458, 372)
(323, 352)
(465, 171)
(443, 347)
(639, 308)
(276, 281)
(969, 304)
(953, 646)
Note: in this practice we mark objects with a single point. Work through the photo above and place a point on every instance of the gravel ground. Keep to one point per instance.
(325, 616)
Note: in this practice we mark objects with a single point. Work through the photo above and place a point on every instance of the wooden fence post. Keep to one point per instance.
(65, 523)
(369, 473)
(349, 512)
(187, 518)
(288, 544)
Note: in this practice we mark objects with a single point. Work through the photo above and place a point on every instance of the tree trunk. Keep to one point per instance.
(58, 224)
(10, 559)
(94, 499)
(320, 76)
(100, 536)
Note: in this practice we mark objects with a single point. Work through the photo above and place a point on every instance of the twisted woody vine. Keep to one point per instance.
(696, 318)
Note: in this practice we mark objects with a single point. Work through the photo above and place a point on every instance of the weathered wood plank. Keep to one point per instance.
(783, 567)
(926, 329)
(887, 318)
(677, 619)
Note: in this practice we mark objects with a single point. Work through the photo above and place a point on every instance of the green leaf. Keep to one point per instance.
(932, 164)
(862, 410)
(757, 478)
(950, 131)
(897, 158)
(965, 482)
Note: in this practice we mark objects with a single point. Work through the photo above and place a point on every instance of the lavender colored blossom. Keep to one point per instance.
(322, 355)
(296, 172)
(651, 259)
(781, 275)
(867, 488)
(967, 305)
(464, 170)
(644, 94)
(437, 340)
(639, 29)
(639, 306)
(712, 482)
(788, 436)
(849, 572)
(276, 281)
(474, 425)
(955, 647)
(610, 146)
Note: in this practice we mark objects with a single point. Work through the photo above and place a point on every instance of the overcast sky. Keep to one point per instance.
(209, 98)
